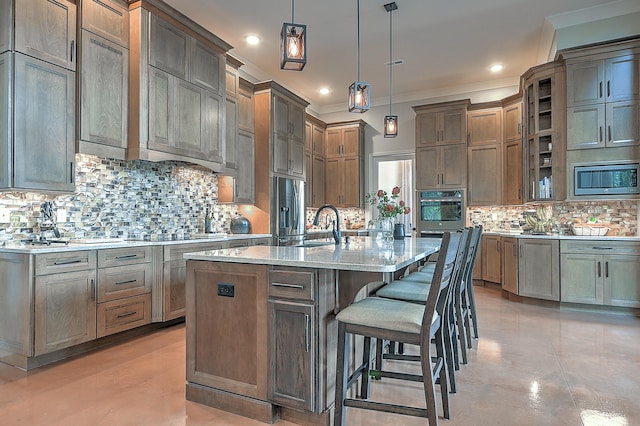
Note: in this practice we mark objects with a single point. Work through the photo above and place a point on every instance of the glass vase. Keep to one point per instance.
(385, 231)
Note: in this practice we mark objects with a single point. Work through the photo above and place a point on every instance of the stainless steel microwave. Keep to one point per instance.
(609, 179)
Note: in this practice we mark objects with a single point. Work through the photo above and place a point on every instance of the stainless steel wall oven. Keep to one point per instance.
(440, 211)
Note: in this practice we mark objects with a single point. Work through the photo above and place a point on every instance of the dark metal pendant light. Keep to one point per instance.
(359, 91)
(293, 45)
(390, 121)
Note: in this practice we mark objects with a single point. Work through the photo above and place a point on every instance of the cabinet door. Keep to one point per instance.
(245, 109)
(104, 91)
(174, 289)
(207, 67)
(281, 153)
(512, 166)
(538, 268)
(211, 147)
(453, 166)
(309, 184)
(65, 310)
(512, 122)
(351, 142)
(44, 134)
(317, 136)
(46, 30)
(623, 123)
(484, 127)
(427, 162)
(623, 78)
(291, 355)
(296, 159)
(297, 123)
(427, 128)
(188, 113)
(245, 189)
(231, 133)
(318, 181)
(491, 257)
(586, 127)
(332, 181)
(160, 129)
(584, 83)
(485, 177)
(169, 48)
(334, 143)
(350, 173)
(510, 265)
(108, 19)
(453, 127)
(6, 74)
(581, 278)
(621, 284)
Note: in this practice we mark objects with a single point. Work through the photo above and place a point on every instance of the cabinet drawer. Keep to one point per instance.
(599, 247)
(120, 315)
(175, 252)
(123, 256)
(124, 281)
(68, 261)
(291, 284)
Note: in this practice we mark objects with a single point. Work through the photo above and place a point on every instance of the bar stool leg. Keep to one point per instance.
(342, 373)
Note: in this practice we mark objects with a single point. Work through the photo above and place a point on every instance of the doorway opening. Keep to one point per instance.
(391, 170)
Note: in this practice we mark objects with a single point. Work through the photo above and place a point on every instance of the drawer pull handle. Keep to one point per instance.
(67, 262)
(126, 282)
(602, 248)
(296, 286)
(127, 256)
(128, 314)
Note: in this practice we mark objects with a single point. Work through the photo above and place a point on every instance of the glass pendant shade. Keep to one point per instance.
(293, 47)
(359, 96)
(390, 126)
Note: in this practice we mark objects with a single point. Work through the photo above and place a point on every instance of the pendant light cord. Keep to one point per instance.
(358, 39)
(292, 20)
(390, 55)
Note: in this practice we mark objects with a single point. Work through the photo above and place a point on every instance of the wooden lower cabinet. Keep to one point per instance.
(491, 270)
(65, 310)
(538, 268)
(600, 273)
(291, 350)
(510, 264)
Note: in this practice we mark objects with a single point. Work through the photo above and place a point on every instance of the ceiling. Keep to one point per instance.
(446, 45)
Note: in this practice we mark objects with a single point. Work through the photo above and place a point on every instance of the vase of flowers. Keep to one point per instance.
(389, 208)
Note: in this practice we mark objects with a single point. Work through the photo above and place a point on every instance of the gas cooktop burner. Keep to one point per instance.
(44, 242)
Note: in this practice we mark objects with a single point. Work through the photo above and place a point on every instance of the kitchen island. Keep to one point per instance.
(261, 329)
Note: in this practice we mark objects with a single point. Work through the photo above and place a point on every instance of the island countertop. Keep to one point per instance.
(360, 254)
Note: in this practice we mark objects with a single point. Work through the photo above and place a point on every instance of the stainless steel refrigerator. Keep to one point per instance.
(287, 211)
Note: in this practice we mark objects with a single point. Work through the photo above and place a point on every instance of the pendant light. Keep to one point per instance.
(390, 121)
(293, 45)
(359, 91)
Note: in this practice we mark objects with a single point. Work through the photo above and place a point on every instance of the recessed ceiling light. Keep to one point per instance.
(325, 91)
(252, 39)
(496, 68)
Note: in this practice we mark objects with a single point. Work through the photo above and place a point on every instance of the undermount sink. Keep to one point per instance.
(308, 244)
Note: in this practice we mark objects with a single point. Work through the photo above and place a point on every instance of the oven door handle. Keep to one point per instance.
(431, 200)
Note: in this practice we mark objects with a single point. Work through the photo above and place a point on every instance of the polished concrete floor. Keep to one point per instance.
(531, 366)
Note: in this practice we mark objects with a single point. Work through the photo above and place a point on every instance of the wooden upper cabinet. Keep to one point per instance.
(108, 19)
(169, 48)
(512, 160)
(46, 30)
(317, 137)
(207, 67)
(343, 183)
(484, 126)
(245, 106)
(104, 95)
(484, 186)
(343, 141)
(441, 124)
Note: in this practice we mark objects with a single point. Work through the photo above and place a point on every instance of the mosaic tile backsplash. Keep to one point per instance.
(125, 199)
(167, 201)
(621, 217)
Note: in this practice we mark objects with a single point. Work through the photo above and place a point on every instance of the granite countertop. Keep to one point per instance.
(107, 243)
(361, 254)
(562, 237)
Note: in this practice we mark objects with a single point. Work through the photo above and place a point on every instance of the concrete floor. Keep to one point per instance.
(531, 366)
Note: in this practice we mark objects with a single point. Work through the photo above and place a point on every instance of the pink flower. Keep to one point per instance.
(395, 190)
(401, 203)
(407, 210)
(380, 193)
